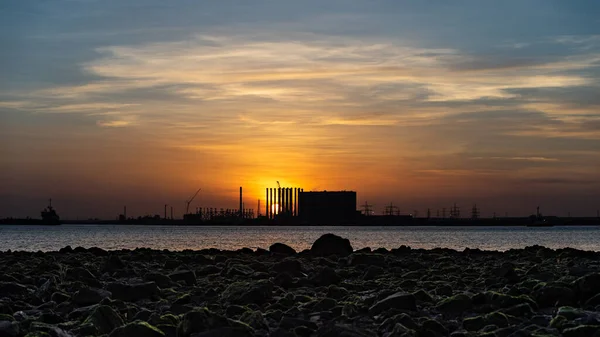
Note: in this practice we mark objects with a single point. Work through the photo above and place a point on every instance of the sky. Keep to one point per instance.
(420, 103)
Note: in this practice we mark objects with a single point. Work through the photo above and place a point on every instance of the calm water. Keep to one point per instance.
(33, 238)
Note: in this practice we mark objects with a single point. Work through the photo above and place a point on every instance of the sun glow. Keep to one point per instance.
(275, 208)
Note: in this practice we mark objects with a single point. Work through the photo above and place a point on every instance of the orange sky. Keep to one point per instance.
(424, 108)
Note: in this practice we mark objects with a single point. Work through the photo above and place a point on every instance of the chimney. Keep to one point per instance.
(241, 204)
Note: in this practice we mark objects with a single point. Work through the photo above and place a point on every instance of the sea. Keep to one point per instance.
(112, 237)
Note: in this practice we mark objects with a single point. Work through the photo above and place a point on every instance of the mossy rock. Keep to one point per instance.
(7, 317)
(500, 300)
(168, 319)
(105, 319)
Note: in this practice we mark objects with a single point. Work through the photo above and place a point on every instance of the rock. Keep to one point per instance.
(435, 326)
(237, 270)
(550, 296)
(138, 329)
(226, 332)
(97, 251)
(582, 331)
(291, 266)
(88, 296)
(105, 319)
(455, 304)
(80, 274)
(235, 310)
(43, 329)
(479, 322)
(59, 297)
(291, 323)
(245, 293)
(331, 244)
(65, 250)
(519, 310)
(113, 263)
(356, 259)
(187, 276)
(280, 248)
(587, 286)
(340, 330)
(423, 296)
(200, 321)
(12, 288)
(255, 319)
(399, 300)
(9, 329)
(325, 276)
(133, 292)
(163, 281)
(373, 272)
(336, 292)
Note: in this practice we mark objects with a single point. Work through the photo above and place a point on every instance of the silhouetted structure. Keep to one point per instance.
(475, 212)
(283, 204)
(327, 207)
(49, 215)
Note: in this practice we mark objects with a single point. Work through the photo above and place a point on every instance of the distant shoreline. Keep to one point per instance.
(416, 222)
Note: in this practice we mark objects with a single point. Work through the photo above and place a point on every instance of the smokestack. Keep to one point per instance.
(289, 204)
(241, 204)
(267, 203)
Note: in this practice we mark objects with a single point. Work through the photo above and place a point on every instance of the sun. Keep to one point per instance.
(275, 208)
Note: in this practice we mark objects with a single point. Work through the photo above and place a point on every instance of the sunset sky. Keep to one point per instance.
(421, 103)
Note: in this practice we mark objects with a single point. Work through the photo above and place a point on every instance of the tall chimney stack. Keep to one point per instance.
(241, 204)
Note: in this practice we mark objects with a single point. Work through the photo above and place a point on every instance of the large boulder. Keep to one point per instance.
(281, 248)
(331, 244)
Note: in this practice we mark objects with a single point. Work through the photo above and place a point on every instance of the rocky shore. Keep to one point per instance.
(327, 291)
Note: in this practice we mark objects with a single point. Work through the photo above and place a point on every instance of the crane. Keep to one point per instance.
(188, 202)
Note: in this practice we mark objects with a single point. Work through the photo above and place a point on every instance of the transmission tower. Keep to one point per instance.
(455, 211)
(389, 210)
(475, 212)
(367, 209)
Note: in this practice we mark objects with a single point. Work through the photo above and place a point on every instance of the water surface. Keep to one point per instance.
(47, 238)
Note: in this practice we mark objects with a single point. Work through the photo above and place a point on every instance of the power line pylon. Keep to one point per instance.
(475, 212)
(367, 209)
(389, 210)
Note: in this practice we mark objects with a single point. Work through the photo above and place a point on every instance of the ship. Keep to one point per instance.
(49, 215)
(538, 220)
